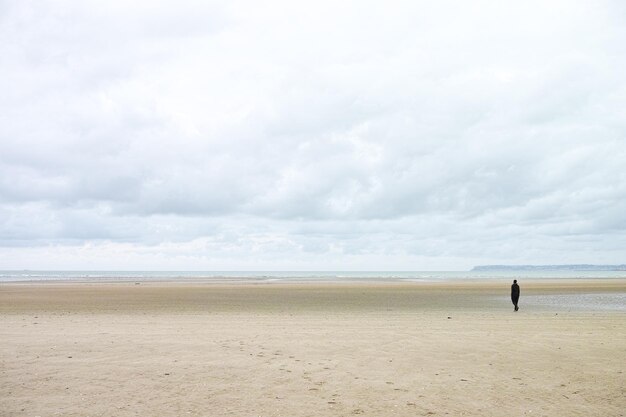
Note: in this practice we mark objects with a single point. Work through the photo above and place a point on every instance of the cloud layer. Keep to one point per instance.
(241, 135)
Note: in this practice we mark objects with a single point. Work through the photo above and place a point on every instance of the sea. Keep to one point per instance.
(297, 276)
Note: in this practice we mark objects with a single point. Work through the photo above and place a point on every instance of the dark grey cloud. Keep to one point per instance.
(238, 135)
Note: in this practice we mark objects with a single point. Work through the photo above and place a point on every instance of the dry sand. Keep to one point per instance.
(158, 349)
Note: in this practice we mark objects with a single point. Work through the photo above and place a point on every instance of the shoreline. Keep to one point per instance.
(303, 296)
(234, 280)
(298, 276)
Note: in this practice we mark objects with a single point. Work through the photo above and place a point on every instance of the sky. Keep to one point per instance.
(326, 135)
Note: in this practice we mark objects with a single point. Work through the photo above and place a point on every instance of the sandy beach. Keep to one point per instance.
(309, 349)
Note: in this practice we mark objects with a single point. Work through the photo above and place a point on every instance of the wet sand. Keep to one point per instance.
(336, 349)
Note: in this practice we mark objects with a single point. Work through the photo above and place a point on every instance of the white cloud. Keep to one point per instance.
(410, 135)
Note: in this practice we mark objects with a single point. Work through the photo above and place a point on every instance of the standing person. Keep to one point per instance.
(515, 294)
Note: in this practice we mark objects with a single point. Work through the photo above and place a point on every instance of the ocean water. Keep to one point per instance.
(295, 276)
(583, 301)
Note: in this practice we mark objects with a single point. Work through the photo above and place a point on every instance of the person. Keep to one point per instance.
(515, 294)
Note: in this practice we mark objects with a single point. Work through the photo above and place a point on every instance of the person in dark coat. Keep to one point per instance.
(515, 294)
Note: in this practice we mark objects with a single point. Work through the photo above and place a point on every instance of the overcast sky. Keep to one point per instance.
(325, 135)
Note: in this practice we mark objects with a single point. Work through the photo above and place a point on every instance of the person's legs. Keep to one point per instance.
(515, 303)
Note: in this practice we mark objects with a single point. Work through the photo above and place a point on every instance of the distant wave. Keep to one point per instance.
(272, 276)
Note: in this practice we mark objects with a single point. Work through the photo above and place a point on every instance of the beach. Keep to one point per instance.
(311, 349)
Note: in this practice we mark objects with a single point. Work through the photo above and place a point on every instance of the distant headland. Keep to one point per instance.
(578, 267)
